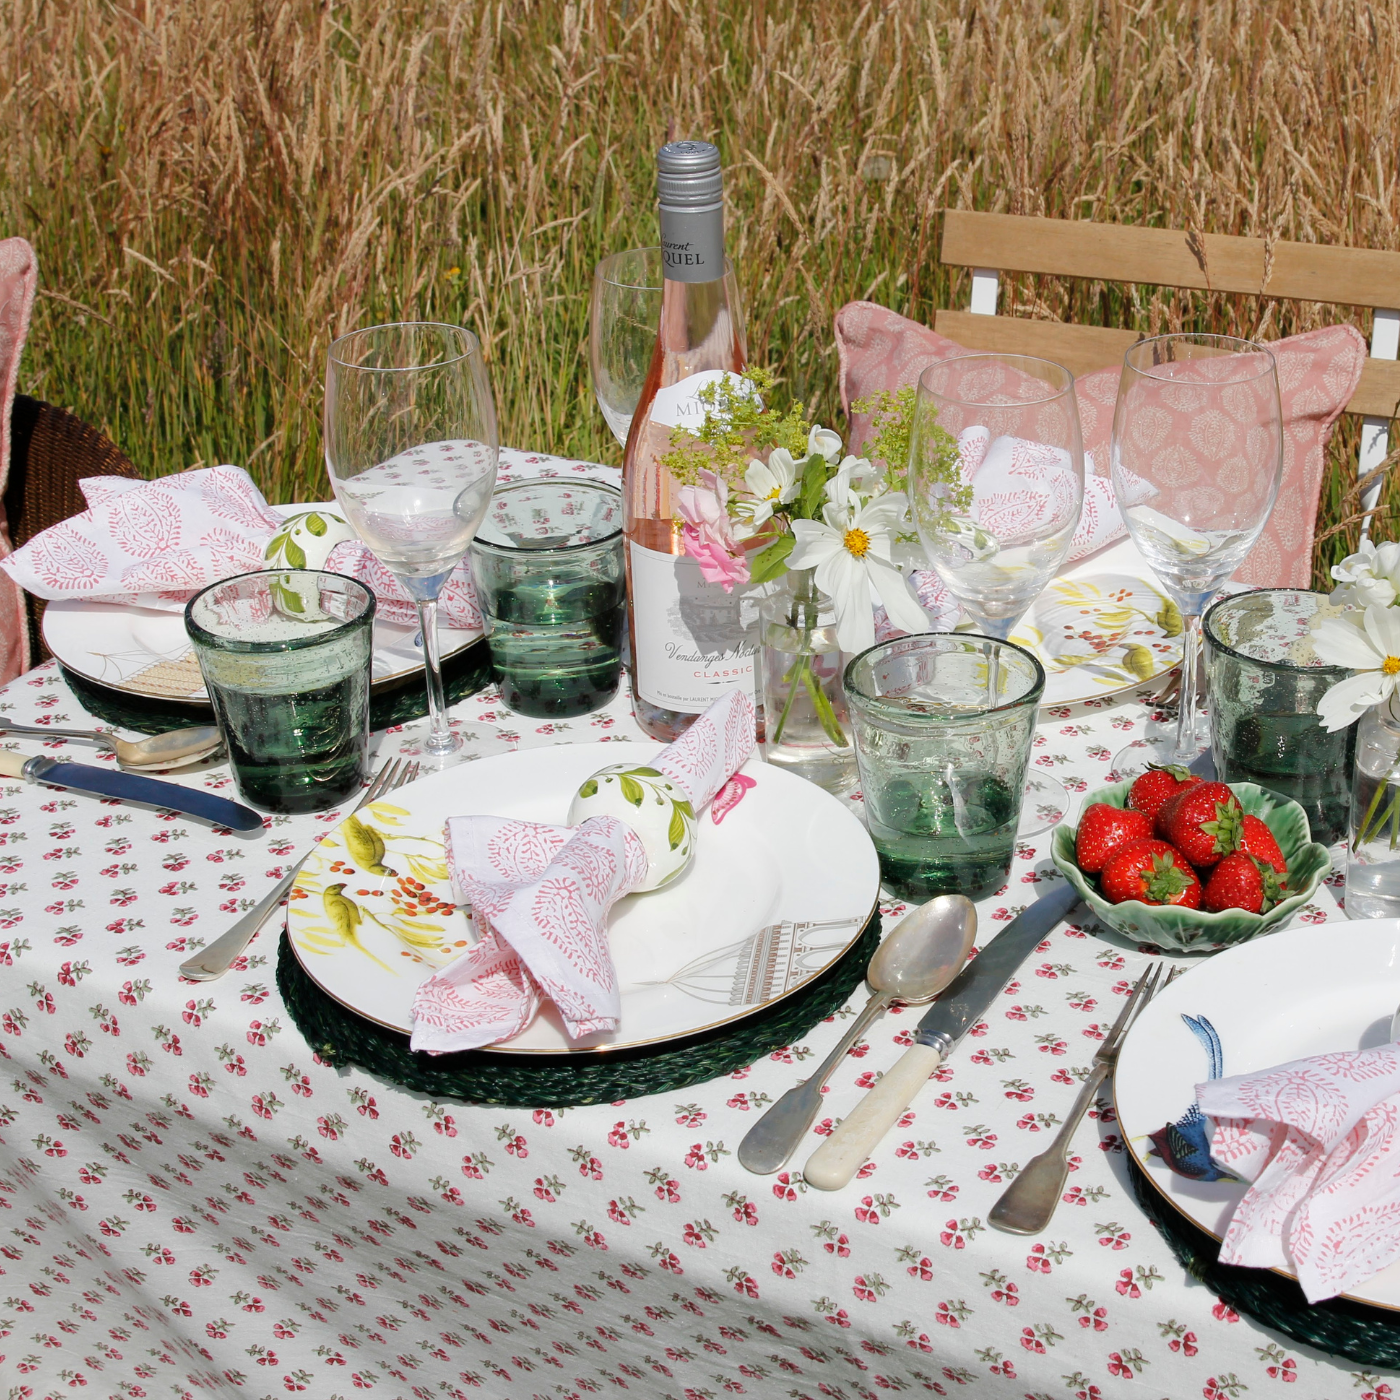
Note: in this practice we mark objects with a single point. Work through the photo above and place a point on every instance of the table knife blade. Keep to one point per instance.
(133, 787)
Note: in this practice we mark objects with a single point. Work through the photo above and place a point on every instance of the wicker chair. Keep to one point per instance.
(51, 450)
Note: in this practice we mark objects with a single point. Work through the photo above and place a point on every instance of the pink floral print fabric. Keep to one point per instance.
(155, 544)
(1317, 371)
(1319, 1140)
(540, 897)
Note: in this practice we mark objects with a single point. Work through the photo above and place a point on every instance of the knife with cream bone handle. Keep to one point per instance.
(974, 989)
(969, 995)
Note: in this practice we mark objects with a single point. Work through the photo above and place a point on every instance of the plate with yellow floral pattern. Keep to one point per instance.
(1100, 631)
(782, 883)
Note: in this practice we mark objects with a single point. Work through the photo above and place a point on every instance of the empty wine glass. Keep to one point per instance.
(624, 315)
(410, 435)
(996, 484)
(1198, 444)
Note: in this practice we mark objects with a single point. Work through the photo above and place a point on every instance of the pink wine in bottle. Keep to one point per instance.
(691, 641)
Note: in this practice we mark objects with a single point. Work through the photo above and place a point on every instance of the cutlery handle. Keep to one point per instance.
(218, 957)
(1025, 1207)
(11, 764)
(33, 731)
(838, 1159)
(773, 1139)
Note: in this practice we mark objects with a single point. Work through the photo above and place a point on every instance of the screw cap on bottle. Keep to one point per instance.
(688, 176)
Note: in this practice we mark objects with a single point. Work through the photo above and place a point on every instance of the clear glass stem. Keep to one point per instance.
(1186, 747)
(441, 740)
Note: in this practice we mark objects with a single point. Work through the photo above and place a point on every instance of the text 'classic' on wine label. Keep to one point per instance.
(694, 641)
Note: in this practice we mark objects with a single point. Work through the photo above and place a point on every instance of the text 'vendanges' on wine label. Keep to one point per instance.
(699, 640)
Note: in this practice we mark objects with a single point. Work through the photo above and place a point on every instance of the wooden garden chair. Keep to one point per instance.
(991, 244)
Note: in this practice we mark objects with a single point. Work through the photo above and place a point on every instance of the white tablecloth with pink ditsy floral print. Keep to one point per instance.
(191, 1204)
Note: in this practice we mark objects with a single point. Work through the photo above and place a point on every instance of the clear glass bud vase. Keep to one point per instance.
(1373, 852)
(808, 732)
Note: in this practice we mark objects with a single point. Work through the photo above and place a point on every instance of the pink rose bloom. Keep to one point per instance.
(708, 536)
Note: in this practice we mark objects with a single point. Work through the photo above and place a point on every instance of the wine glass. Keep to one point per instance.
(996, 483)
(411, 446)
(625, 312)
(1198, 445)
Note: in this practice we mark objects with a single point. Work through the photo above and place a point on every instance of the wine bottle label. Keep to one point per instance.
(679, 405)
(694, 641)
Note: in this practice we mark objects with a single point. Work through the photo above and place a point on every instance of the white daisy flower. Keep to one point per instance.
(1371, 648)
(825, 441)
(850, 550)
(771, 484)
(1370, 576)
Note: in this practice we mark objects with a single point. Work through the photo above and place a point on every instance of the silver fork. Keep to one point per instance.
(218, 957)
(1025, 1207)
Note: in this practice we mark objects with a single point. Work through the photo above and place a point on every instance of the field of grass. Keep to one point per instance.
(217, 189)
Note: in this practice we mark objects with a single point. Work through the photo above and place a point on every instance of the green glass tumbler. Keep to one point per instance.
(548, 571)
(1264, 681)
(286, 661)
(943, 725)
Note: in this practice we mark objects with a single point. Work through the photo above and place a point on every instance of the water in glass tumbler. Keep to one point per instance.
(286, 662)
(942, 765)
(549, 576)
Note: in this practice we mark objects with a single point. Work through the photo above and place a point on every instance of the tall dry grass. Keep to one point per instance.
(216, 189)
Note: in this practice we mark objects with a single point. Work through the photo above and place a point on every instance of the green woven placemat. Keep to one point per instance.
(400, 702)
(1369, 1336)
(552, 1081)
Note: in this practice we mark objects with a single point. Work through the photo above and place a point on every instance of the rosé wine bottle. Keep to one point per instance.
(691, 641)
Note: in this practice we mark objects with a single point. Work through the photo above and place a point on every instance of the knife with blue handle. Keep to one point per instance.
(131, 787)
(956, 1011)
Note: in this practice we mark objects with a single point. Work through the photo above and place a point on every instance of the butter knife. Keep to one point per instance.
(132, 787)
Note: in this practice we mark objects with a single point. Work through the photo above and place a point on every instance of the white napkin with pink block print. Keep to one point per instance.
(155, 544)
(540, 897)
(1020, 486)
(1319, 1141)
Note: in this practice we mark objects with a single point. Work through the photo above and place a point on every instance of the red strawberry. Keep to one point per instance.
(1151, 790)
(1240, 881)
(1258, 840)
(1202, 821)
(1154, 872)
(1103, 830)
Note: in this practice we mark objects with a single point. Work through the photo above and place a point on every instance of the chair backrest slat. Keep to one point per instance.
(1082, 349)
(1167, 258)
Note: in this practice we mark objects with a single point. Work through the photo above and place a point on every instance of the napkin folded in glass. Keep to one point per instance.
(1318, 1141)
(155, 544)
(540, 897)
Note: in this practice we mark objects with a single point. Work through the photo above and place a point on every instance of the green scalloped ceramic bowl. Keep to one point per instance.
(1195, 930)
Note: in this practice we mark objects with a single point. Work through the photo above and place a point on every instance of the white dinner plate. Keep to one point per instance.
(778, 891)
(146, 651)
(1302, 992)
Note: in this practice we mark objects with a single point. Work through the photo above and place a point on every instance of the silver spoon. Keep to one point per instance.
(173, 749)
(915, 962)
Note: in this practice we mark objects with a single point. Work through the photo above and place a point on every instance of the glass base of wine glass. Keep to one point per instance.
(1044, 803)
(1157, 746)
(473, 741)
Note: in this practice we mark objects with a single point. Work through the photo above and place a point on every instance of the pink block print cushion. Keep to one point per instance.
(19, 276)
(1318, 372)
